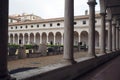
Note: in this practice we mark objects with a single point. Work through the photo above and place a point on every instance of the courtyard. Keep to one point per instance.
(40, 61)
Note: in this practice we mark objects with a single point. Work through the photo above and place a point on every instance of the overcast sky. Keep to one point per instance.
(46, 8)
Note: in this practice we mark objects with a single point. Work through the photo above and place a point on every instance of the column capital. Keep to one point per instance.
(91, 3)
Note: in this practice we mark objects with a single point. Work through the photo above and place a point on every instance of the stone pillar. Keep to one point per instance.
(4, 75)
(103, 40)
(13, 39)
(18, 39)
(8, 38)
(79, 38)
(47, 40)
(34, 39)
(117, 36)
(40, 39)
(23, 39)
(62, 40)
(109, 36)
(54, 40)
(68, 31)
(91, 36)
(114, 36)
(28, 39)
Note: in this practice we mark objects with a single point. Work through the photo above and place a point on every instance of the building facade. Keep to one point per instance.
(46, 31)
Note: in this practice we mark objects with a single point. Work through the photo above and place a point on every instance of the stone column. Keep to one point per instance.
(91, 36)
(79, 38)
(4, 75)
(114, 36)
(23, 39)
(18, 39)
(109, 36)
(47, 39)
(40, 39)
(34, 39)
(28, 39)
(62, 40)
(8, 38)
(117, 36)
(13, 39)
(68, 31)
(54, 40)
(103, 26)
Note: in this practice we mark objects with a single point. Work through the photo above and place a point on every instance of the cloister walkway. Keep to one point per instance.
(107, 71)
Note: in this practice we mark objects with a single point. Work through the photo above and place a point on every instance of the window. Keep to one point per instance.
(58, 24)
(50, 25)
(31, 26)
(44, 25)
(95, 21)
(37, 25)
(11, 27)
(84, 22)
(26, 26)
(75, 23)
(21, 27)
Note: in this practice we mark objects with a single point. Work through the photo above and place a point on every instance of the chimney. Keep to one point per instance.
(86, 12)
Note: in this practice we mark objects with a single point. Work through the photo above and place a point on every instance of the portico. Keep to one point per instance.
(68, 32)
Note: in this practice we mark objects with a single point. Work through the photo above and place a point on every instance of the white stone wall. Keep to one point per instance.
(79, 27)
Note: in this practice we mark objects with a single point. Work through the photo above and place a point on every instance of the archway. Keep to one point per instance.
(31, 38)
(16, 39)
(44, 38)
(37, 38)
(84, 37)
(76, 38)
(21, 38)
(11, 38)
(26, 38)
(58, 37)
(51, 38)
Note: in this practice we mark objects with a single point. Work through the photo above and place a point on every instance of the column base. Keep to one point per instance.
(92, 55)
(109, 51)
(114, 50)
(70, 61)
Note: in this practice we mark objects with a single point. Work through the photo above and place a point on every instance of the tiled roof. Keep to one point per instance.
(50, 20)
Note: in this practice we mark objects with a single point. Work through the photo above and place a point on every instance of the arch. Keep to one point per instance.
(21, 38)
(37, 38)
(31, 38)
(26, 38)
(51, 38)
(11, 38)
(76, 38)
(96, 39)
(16, 39)
(58, 37)
(84, 37)
(44, 38)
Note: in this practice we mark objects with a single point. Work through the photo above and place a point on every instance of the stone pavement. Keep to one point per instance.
(108, 71)
(40, 62)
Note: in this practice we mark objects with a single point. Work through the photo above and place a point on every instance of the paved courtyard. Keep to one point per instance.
(41, 61)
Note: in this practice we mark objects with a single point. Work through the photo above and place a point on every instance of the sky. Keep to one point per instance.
(46, 8)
